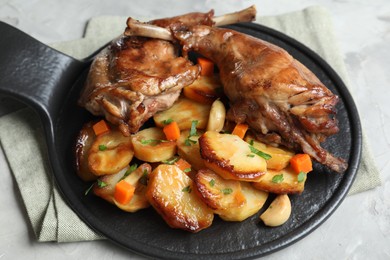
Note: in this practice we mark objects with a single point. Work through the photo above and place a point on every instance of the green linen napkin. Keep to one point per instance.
(22, 140)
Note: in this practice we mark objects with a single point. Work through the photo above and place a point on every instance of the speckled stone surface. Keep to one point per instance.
(359, 229)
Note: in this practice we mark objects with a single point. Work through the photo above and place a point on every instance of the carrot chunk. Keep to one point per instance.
(240, 130)
(301, 163)
(183, 165)
(207, 66)
(101, 127)
(172, 131)
(124, 192)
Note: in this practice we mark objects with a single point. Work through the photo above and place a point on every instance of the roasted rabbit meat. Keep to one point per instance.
(269, 90)
(135, 76)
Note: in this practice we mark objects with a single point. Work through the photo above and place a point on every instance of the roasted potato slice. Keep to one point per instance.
(217, 192)
(183, 112)
(84, 141)
(188, 149)
(204, 89)
(110, 153)
(105, 187)
(254, 201)
(285, 181)
(231, 157)
(150, 145)
(171, 192)
(280, 156)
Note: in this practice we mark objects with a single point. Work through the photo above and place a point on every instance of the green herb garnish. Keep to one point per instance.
(132, 168)
(301, 176)
(193, 131)
(102, 147)
(260, 153)
(187, 189)
(212, 182)
(227, 191)
(187, 170)
(171, 161)
(101, 184)
(167, 121)
(250, 155)
(278, 178)
(89, 189)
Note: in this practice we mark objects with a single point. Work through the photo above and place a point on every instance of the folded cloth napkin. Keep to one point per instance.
(21, 134)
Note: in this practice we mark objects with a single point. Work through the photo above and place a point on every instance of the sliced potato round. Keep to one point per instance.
(285, 181)
(107, 184)
(217, 192)
(150, 145)
(278, 212)
(183, 112)
(110, 153)
(84, 141)
(280, 156)
(204, 89)
(231, 157)
(254, 201)
(188, 149)
(171, 192)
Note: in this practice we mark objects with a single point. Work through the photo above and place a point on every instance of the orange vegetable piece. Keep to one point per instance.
(172, 131)
(124, 192)
(207, 66)
(195, 95)
(240, 130)
(183, 165)
(301, 163)
(101, 127)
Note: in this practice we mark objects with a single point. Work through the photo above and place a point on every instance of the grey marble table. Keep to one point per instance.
(359, 229)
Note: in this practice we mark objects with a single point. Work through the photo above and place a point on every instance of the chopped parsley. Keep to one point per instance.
(102, 147)
(278, 178)
(101, 184)
(193, 132)
(227, 191)
(187, 189)
(212, 182)
(301, 176)
(260, 153)
(250, 155)
(89, 189)
(167, 121)
(187, 170)
(171, 161)
(132, 168)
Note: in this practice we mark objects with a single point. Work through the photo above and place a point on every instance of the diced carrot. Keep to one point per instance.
(124, 192)
(183, 165)
(172, 131)
(301, 163)
(207, 66)
(240, 130)
(101, 127)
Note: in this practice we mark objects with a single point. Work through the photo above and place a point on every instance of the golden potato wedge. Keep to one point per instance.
(150, 145)
(204, 89)
(84, 142)
(285, 181)
(183, 112)
(280, 156)
(110, 153)
(254, 201)
(217, 192)
(231, 157)
(105, 187)
(189, 149)
(278, 212)
(171, 192)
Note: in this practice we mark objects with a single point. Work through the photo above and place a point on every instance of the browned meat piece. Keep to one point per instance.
(270, 90)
